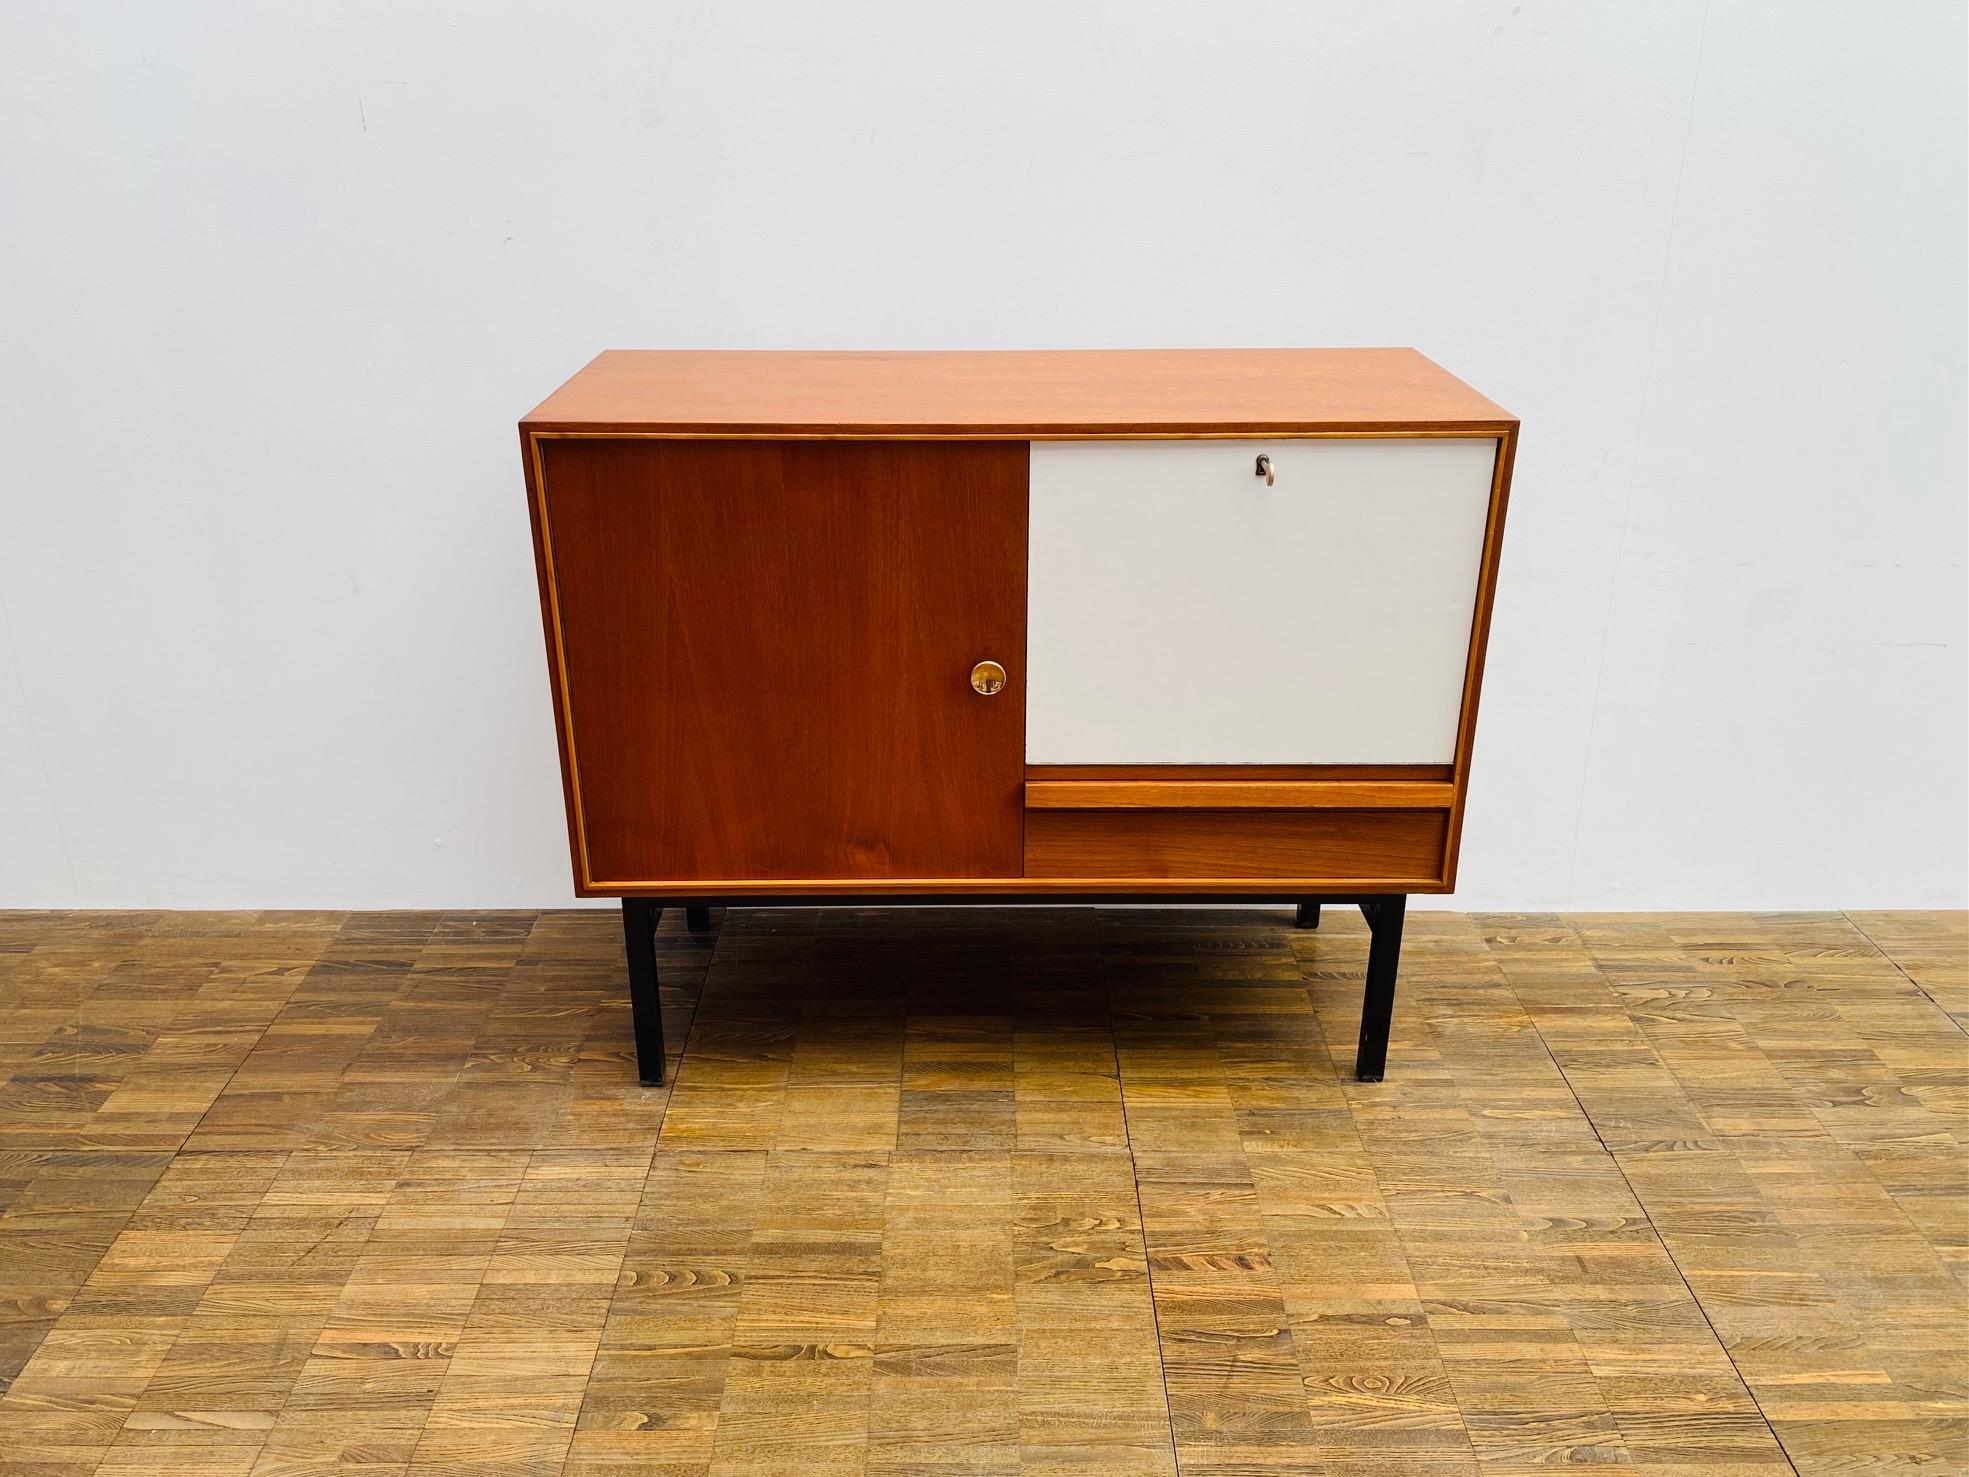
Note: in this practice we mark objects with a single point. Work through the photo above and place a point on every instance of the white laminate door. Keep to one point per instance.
(1181, 611)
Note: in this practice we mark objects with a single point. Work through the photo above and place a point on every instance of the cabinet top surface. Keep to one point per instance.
(1016, 394)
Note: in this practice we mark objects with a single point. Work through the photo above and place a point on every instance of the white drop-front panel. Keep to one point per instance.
(1182, 612)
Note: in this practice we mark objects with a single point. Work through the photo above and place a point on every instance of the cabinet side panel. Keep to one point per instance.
(1466, 736)
(550, 625)
(768, 647)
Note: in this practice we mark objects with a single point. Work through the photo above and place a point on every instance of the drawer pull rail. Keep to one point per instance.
(1238, 795)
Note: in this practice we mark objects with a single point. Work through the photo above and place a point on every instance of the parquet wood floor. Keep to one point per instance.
(944, 1192)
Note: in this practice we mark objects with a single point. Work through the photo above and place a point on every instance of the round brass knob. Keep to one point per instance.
(987, 677)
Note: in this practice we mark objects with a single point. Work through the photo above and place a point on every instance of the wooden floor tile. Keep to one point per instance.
(942, 1191)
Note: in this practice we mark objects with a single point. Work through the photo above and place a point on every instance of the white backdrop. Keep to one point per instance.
(280, 278)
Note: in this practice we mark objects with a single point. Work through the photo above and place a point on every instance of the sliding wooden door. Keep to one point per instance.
(766, 651)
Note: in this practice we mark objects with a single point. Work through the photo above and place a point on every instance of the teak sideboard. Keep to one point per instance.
(1040, 626)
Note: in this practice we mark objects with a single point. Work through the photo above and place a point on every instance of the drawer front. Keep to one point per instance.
(1182, 611)
(1338, 848)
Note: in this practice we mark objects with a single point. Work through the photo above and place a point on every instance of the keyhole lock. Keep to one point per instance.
(1264, 469)
(987, 678)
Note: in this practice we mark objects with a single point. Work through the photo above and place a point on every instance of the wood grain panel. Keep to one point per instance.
(1024, 394)
(1380, 847)
(767, 649)
(1236, 795)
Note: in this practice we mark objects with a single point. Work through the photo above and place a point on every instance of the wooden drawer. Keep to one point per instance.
(1337, 849)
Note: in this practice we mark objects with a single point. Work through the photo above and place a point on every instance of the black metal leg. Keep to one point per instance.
(697, 920)
(639, 919)
(1309, 915)
(1384, 920)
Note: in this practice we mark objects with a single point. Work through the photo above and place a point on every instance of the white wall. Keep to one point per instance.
(280, 278)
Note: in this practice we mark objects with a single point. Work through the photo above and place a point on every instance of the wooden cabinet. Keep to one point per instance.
(862, 626)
